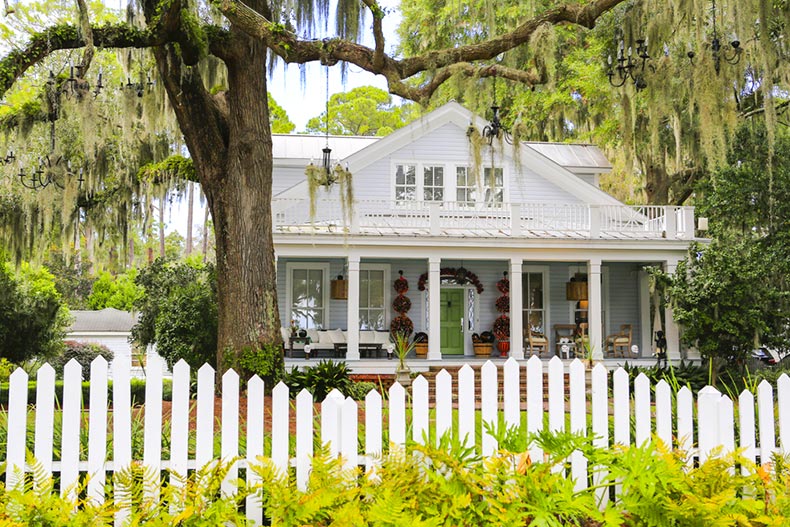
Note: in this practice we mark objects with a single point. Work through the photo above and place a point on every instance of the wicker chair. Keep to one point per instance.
(537, 342)
(619, 344)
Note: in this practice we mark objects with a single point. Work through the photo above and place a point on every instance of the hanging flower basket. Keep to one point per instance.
(502, 328)
(503, 304)
(401, 325)
(401, 304)
(401, 285)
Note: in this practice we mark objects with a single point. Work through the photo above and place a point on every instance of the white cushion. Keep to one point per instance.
(313, 334)
(382, 337)
(324, 337)
(367, 337)
(337, 336)
(621, 340)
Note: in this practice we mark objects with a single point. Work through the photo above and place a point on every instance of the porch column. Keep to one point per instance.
(646, 342)
(671, 330)
(595, 308)
(434, 309)
(516, 317)
(352, 322)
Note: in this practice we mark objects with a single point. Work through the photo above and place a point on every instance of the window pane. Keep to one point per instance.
(536, 321)
(377, 289)
(535, 290)
(363, 288)
(411, 175)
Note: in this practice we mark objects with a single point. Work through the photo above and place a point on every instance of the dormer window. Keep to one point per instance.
(433, 183)
(494, 185)
(405, 182)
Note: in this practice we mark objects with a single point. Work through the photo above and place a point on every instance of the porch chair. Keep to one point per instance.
(619, 343)
(537, 342)
(563, 335)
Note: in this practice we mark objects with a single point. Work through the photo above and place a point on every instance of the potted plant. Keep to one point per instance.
(502, 334)
(483, 343)
(421, 344)
(403, 347)
(502, 323)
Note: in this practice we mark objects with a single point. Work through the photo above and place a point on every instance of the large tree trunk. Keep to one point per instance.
(229, 139)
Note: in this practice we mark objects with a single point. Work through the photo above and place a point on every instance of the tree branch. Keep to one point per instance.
(779, 107)
(87, 33)
(378, 32)
(65, 36)
(329, 51)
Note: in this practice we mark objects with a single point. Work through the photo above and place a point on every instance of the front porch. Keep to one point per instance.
(446, 301)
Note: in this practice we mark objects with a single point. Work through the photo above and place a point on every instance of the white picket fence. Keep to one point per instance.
(589, 410)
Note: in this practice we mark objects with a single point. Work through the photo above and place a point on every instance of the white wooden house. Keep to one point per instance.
(538, 215)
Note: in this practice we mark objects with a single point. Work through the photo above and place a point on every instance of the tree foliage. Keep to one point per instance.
(119, 292)
(733, 294)
(365, 110)
(178, 311)
(33, 317)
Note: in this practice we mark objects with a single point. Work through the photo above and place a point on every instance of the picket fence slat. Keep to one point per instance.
(622, 407)
(229, 442)
(489, 406)
(349, 449)
(280, 414)
(685, 420)
(664, 413)
(765, 416)
(708, 417)
(511, 393)
(97, 430)
(152, 429)
(179, 424)
(45, 416)
(600, 424)
(17, 422)
(642, 409)
(70, 429)
(466, 406)
(255, 431)
(397, 409)
(444, 404)
(534, 403)
(556, 395)
(746, 430)
(761, 419)
(726, 428)
(373, 429)
(122, 436)
(578, 390)
(304, 437)
(419, 404)
(204, 424)
(783, 404)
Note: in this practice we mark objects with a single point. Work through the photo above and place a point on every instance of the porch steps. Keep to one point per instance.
(384, 381)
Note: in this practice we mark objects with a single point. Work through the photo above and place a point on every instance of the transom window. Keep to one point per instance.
(433, 183)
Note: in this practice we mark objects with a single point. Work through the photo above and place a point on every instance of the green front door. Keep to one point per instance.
(452, 321)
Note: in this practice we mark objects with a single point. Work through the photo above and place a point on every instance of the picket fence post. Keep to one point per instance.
(255, 431)
(97, 430)
(17, 427)
(489, 406)
(419, 410)
(466, 406)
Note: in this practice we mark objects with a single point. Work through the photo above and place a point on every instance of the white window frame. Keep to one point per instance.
(394, 181)
(419, 171)
(544, 270)
(480, 187)
(387, 286)
(289, 269)
(434, 166)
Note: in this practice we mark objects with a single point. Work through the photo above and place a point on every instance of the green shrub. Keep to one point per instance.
(6, 369)
(136, 388)
(83, 352)
(321, 379)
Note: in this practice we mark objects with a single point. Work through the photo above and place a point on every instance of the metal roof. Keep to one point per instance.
(574, 157)
(309, 146)
(104, 320)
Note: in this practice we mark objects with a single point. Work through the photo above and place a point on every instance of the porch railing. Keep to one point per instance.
(572, 220)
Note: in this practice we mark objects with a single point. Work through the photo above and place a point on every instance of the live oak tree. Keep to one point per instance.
(226, 126)
(663, 139)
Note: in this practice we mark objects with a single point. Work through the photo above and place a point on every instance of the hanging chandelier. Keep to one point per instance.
(730, 56)
(629, 67)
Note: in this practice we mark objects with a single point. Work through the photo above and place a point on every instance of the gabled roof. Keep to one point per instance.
(578, 158)
(105, 320)
(454, 113)
(300, 149)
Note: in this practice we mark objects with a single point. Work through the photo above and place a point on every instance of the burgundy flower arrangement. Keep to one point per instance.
(461, 275)
(401, 324)
(502, 323)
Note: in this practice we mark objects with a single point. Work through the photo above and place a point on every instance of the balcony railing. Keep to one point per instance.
(528, 220)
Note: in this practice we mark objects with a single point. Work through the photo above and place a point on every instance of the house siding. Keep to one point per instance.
(624, 299)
